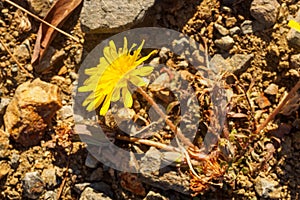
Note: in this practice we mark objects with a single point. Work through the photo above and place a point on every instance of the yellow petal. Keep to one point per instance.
(141, 60)
(116, 94)
(105, 105)
(127, 98)
(295, 25)
(136, 80)
(143, 71)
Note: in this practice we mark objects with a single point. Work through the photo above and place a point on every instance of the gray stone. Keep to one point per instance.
(151, 161)
(265, 11)
(33, 185)
(104, 16)
(91, 194)
(154, 196)
(272, 89)
(240, 62)
(235, 30)
(221, 29)
(293, 36)
(218, 63)
(295, 61)
(168, 180)
(224, 43)
(247, 27)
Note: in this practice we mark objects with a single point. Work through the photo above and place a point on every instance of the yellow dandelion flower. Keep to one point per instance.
(109, 79)
(295, 25)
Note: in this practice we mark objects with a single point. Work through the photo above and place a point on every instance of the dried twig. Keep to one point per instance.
(175, 130)
(43, 21)
(15, 59)
(279, 107)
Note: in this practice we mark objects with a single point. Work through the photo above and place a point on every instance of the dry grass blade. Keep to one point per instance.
(15, 59)
(279, 107)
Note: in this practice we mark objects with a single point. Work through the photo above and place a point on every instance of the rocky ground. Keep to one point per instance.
(41, 157)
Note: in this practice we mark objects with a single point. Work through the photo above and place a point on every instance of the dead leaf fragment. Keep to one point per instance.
(56, 16)
(131, 183)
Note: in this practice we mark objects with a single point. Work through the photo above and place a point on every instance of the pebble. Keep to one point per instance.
(163, 53)
(267, 188)
(90, 193)
(272, 89)
(33, 185)
(235, 30)
(50, 195)
(247, 27)
(230, 22)
(240, 62)
(295, 61)
(15, 160)
(154, 196)
(224, 43)
(22, 52)
(221, 29)
(91, 162)
(265, 11)
(49, 177)
(66, 112)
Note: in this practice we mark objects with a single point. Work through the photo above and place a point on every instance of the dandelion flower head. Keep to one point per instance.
(108, 81)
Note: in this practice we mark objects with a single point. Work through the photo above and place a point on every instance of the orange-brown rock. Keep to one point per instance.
(30, 111)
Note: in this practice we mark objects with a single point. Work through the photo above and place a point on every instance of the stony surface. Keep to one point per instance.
(30, 111)
(112, 16)
(265, 168)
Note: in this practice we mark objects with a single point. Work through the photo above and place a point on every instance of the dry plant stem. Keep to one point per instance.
(148, 143)
(279, 107)
(177, 131)
(15, 59)
(43, 21)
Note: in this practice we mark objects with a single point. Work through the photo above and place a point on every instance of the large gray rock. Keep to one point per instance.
(107, 16)
(265, 11)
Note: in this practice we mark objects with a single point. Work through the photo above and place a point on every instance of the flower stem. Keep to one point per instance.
(177, 131)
